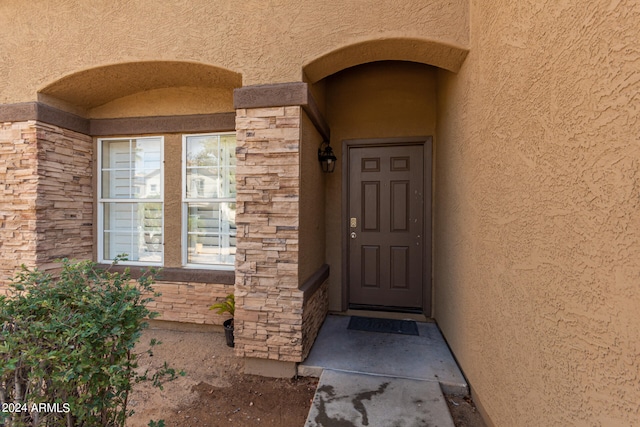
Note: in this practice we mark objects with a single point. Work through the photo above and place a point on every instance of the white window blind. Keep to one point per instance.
(209, 200)
(130, 211)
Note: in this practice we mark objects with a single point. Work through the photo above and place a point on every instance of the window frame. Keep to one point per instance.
(101, 201)
(184, 238)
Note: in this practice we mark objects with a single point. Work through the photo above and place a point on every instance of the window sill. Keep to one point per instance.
(172, 274)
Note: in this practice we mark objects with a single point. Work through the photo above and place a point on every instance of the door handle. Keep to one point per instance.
(353, 235)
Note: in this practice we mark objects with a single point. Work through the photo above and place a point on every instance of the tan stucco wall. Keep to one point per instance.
(379, 100)
(312, 223)
(172, 200)
(537, 218)
(265, 42)
(537, 212)
(167, 102)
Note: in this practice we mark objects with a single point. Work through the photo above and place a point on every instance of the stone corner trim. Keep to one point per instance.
(269, 305)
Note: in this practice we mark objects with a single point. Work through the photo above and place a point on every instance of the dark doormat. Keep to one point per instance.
(390, 326)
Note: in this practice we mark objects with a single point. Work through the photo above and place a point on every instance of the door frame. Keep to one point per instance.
(427, 143)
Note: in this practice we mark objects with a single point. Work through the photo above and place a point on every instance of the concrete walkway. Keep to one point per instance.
(379, 379)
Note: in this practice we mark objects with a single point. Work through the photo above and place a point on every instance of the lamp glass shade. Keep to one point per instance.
(327, 159)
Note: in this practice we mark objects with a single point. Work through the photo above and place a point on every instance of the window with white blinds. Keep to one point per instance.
(130, 199)
(209, 200)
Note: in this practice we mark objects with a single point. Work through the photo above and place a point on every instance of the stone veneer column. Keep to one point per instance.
(46, 197)
(64, 205)
(18, 193)
(268, 319)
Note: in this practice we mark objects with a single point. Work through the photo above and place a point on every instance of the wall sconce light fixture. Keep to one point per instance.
(326, 157)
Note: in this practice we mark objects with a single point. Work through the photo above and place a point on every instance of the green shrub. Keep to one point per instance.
(66, 346)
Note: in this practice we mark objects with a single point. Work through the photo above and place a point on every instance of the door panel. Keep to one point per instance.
(399, 267)
(386, 217)
(399, 205)
(370, 266)
(370, 206)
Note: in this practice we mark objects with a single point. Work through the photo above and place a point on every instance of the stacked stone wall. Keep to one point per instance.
(64, 203)
(268, 321)
(18, 194)
(46, 203)
(189, 302)
(315, 311)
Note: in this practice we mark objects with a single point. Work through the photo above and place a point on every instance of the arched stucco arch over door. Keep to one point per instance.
(431, 52)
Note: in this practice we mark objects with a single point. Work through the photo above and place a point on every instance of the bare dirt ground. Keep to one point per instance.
(215, 393)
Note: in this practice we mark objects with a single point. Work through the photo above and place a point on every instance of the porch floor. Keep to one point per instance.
(368, 375)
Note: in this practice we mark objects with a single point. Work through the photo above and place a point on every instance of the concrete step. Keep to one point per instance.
(424, 357)
(346, 399)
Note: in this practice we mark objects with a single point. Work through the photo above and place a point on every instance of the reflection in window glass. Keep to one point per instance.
(211, 234)
(209, 199)
(134, 229)
(210, 167)
(130, 199)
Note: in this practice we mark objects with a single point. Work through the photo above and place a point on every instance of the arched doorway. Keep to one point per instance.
(382, 117)
(379, 98)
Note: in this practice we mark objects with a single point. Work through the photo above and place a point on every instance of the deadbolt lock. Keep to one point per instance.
(353, 222)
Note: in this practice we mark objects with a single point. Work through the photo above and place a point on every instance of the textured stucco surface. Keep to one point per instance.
(167, 102)
(537, 158)
(264, 41)
(312, 223)
(537, 212)
(147, 82)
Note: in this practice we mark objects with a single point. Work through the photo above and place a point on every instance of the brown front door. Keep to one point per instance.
(386, 214)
